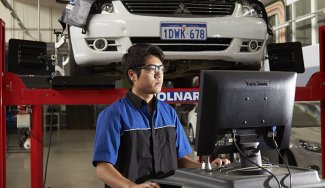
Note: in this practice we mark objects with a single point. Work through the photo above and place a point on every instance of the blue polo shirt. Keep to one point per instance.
(140, 145)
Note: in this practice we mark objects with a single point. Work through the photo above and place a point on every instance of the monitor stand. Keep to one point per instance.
(251, 162)
(252, 154)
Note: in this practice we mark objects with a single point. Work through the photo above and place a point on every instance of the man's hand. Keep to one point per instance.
(145, 185)
(109, 175)
(220, 162)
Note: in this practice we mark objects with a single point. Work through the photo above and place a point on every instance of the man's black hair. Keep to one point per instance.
(136, 57)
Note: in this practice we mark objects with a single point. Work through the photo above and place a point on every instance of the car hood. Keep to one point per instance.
(311, 134)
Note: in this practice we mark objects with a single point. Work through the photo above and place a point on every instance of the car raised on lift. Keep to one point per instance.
(194, 35)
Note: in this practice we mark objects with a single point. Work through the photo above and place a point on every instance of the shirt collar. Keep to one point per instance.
(137, 101)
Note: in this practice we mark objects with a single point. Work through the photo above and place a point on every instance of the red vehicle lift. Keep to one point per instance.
(14, 92)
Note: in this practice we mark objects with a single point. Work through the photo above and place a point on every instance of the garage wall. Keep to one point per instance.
(28, 14)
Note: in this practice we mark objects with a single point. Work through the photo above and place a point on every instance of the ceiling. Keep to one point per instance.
(48, 3)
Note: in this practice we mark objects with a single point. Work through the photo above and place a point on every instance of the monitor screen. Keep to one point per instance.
(251, 103)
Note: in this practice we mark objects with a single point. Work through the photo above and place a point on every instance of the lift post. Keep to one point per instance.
(14, 92)
(2, 109)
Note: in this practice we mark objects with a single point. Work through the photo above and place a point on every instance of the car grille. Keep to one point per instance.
(177, 7)
(211, 44)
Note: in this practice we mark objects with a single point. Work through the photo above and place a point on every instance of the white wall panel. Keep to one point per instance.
(28, 14)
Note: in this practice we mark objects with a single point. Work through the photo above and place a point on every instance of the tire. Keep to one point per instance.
(191, 138)
(287, 155)
(184, 82)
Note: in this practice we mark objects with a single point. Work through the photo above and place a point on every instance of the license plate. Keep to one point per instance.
(183, 31)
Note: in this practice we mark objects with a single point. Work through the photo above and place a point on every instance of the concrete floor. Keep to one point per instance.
(69, 162)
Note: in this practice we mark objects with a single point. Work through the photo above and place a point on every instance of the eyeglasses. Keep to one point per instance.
(153, 69)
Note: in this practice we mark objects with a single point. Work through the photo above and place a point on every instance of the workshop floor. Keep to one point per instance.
(69, 161)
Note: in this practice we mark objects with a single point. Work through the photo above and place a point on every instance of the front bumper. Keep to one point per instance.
(122, 29)
(305, 158)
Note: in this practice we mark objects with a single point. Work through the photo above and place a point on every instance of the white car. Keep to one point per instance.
(191, 124)
(305, 139)
(194, 35)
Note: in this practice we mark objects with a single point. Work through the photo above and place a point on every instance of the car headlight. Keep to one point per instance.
(249, 11)
(310, 146)
(251, 8)
(254, 8)
(107, 8)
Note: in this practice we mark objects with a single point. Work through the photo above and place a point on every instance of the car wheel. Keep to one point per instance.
(287, 155)
(191, 134)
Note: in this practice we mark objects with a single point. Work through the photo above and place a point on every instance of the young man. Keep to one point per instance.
(139, 138)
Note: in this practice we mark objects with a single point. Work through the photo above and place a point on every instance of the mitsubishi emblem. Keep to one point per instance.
(182, 9)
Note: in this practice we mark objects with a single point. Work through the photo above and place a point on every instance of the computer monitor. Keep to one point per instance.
(249, 104)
